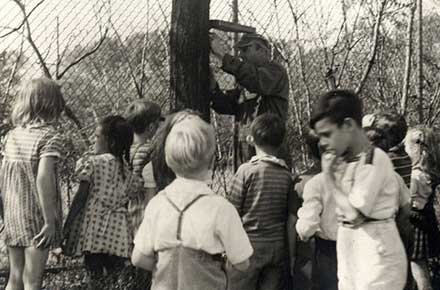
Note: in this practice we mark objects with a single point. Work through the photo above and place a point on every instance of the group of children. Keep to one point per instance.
(147, 200)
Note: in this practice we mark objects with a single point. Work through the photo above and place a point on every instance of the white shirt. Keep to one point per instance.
(373, 189)
(318, 212)
(211, 224)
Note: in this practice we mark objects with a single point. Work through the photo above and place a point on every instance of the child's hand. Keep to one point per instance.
(292, 266)
(46, 236)
(328, 163)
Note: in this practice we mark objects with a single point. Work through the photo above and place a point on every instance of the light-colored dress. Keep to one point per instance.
(23, 149)
(103, 225)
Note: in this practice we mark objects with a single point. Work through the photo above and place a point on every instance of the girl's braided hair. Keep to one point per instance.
(119, 135)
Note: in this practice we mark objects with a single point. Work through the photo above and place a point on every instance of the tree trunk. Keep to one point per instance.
(404, 101)
(420, 63)
(189, 55)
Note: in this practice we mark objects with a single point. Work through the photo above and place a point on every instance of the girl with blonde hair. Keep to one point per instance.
(29, 182)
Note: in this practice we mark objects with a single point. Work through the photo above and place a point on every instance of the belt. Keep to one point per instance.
(367, 220)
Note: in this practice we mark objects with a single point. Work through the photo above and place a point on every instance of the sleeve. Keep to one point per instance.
(369, 181)
(225, 102)
(420, 190)
(309, 215)
(232, 235)
(143, 241)
(51, 145)
(264, 80)
(148, 176)
(141, 158)
(238, 189)
(404, 193)
(84, 169)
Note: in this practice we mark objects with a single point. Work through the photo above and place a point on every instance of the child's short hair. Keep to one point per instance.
(141, 113)
(39, 100)
(268, 130)
(337, 105)
(312, 142)
(394, 125)
(190, 146)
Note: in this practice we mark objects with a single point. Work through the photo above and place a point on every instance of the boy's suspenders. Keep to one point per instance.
(181, 212)
(370, 155)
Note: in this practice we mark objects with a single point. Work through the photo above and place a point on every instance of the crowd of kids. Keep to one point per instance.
(364, 216)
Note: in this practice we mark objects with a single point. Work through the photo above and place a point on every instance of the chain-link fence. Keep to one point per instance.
(106, 53)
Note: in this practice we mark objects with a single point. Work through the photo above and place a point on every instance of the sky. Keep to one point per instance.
(83, 21)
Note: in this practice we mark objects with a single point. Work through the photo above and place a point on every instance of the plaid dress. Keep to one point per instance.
(103, 225)
(426, 228)
(23, 216)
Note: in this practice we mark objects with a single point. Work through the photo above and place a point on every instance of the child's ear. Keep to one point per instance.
(250, 140)
(349, 123)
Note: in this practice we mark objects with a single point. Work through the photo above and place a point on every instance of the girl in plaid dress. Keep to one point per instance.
(97, 225)
(421, 144)
(29, 182)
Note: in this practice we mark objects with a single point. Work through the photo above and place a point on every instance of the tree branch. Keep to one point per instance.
(84, 56)
(404, 100)
(14, 70)
(375, 45)
(30, 39)
(23, 22)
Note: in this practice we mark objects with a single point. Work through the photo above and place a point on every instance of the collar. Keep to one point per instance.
(269, 158)
(185, 185)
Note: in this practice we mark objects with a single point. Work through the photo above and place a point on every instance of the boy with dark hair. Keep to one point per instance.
(370, 252)
(317, 218)
(394, 126)
(262, 191)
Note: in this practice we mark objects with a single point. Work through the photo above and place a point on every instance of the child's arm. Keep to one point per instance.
(238, 190)
(143, 252)
(233, 237)
(142, 261)
(293, 204)
(47, 195)
(351, 214)
(78, 203)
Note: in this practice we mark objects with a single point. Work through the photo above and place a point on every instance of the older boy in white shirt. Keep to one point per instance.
(369, 249)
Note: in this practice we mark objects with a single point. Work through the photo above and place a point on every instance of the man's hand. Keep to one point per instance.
(218, 46)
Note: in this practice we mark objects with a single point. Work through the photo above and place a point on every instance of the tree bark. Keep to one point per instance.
(189, 55)
(404, 101)
(420, 63)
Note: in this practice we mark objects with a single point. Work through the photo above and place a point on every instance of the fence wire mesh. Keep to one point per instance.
(107, 53)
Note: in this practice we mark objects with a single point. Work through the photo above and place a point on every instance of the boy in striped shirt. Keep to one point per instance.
(262, 191)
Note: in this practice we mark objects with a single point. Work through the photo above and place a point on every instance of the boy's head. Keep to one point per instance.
(254, 48)
(336, 117)
(393, 125)
(190, 147)
(143, 116)
(267, 130)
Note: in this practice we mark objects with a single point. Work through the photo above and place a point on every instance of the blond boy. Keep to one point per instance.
(186, 227)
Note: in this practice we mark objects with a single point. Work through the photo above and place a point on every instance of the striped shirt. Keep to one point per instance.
(402, 163)
(140, 155)
(259, 191)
